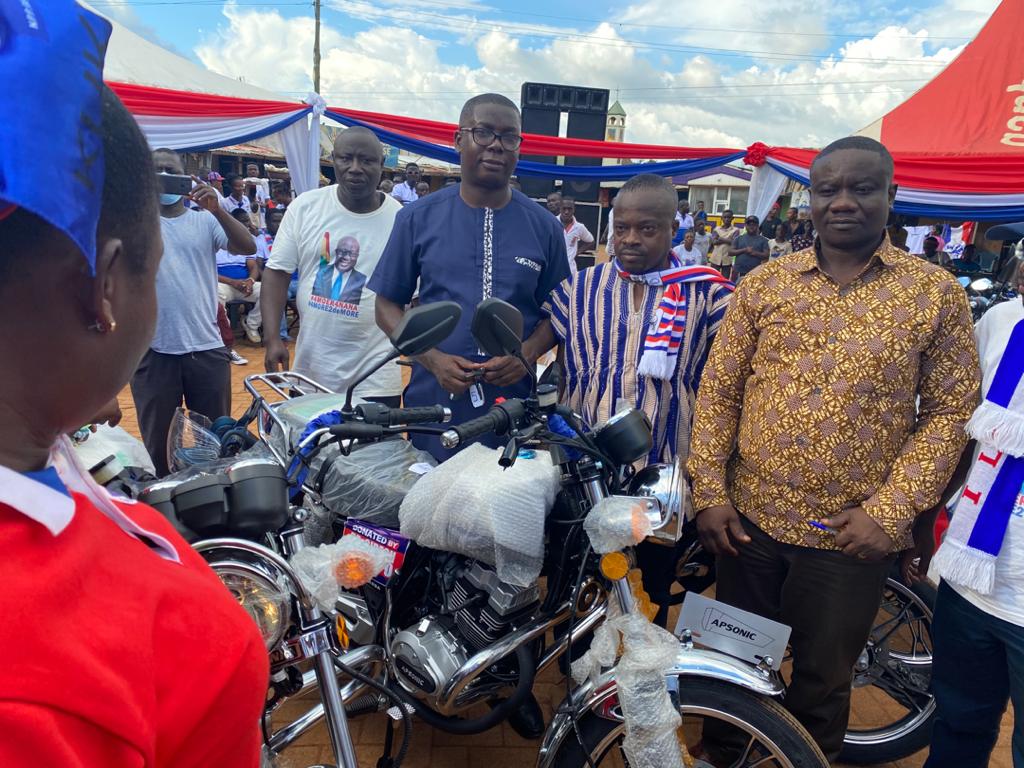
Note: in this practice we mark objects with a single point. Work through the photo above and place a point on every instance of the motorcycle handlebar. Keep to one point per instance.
(357, 431)
(499, 420)
(376, 413)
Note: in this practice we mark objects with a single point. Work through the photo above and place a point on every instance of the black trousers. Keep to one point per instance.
(977, 666)
(201, 379)
(830, 600)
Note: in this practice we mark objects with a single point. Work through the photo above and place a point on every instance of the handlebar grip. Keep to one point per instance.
(357, 431)
(499, 420)
(428, 414)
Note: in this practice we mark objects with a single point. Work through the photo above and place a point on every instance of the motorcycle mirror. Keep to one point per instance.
(498, 328)
(424, 327)
(421, 328)
(964, 281)
(981, 285)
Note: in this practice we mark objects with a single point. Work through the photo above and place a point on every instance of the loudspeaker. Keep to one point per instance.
(544, 122)
(584, 125)
(542, 106)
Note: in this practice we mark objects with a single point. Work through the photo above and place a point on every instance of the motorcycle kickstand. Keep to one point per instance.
(386, 760)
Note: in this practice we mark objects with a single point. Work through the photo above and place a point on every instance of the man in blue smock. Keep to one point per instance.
(466, 243)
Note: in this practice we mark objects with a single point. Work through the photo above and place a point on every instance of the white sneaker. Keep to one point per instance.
(253, 335)
(237, 359)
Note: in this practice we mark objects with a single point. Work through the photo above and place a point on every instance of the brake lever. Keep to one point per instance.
(510, 454)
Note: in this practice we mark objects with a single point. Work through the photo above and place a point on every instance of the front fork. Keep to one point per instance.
(318, 641)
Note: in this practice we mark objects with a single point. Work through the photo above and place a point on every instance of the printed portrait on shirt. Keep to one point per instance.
(337, 279)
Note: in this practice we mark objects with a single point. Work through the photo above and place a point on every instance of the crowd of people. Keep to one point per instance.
(820, 382)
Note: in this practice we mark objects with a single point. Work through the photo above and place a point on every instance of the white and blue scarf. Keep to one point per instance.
(665, 334)
(968, 555)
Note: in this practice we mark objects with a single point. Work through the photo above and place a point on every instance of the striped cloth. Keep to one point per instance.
(592, 314)
(665, 334)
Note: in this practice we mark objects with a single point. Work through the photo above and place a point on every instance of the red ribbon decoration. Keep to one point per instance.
(757, 154)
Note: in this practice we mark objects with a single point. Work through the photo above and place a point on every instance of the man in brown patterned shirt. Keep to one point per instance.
(831, 414)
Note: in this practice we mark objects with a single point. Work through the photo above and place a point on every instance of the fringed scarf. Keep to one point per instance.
(665, 333)
(968, 554)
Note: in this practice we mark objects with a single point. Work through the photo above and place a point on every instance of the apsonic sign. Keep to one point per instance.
(730, 630)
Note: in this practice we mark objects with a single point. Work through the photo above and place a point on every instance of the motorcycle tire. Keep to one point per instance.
(872, 752)
(700, 696)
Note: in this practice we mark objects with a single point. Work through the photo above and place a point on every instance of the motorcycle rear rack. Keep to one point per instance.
(277, 388)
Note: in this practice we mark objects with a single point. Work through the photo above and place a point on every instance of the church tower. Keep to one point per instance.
(615, 129)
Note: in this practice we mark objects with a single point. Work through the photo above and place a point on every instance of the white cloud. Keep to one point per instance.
(699, 101)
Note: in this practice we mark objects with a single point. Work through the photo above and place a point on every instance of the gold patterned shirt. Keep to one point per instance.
(818, 397)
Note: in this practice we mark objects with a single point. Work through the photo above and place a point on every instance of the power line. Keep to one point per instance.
(330, 95)
(719, 86)
(370, 12)
(512, 11)
(635, 25)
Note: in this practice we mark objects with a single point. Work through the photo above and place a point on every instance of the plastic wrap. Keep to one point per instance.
(349, 563)
(369, 483)
(651, 718)
(190, 441)
(114, 441)
(372, 481)
(617, 522)
(471, 505)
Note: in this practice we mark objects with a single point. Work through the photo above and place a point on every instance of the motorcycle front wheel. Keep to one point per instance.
(774, 739)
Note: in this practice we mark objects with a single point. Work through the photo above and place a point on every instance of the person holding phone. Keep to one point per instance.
(187, 360)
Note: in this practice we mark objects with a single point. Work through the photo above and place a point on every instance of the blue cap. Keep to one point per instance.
(51, 143)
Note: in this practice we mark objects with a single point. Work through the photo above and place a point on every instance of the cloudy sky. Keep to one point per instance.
(716, 73)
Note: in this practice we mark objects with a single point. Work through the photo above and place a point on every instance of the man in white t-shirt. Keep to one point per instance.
(978, 651)
(187, 360)
(334, 237)
(701, 239)
(688, 253)
(406, 192)
(577, 236)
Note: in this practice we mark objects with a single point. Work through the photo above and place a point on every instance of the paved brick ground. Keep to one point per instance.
(500, 747)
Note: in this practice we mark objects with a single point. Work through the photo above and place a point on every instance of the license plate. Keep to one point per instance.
(742, 634)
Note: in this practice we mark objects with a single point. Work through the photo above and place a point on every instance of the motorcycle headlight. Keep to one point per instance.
(267, 604)
(666, 483)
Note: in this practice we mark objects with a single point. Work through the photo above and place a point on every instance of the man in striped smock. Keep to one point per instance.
(637, 330)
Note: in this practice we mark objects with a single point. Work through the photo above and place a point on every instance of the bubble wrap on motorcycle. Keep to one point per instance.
(651, 717)
(470, 505)
(370, 483)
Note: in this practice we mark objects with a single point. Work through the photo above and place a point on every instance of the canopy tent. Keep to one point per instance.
(958, 142)
(181, 106)
(969, 167)
(435, 140)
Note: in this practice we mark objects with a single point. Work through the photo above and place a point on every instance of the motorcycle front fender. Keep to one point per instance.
(691, 662)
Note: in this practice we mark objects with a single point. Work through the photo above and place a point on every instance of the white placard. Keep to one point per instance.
(738, 633)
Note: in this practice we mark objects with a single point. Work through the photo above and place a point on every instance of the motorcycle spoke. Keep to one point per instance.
(741, 761)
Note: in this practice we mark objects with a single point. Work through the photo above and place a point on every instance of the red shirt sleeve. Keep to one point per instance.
(35, 736)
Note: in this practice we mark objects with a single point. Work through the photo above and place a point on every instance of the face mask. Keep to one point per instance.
(166, 199)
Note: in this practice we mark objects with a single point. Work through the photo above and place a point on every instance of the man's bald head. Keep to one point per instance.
(358, 165)
(358, 134)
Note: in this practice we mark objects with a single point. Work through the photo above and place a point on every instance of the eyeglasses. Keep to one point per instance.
(485, 137)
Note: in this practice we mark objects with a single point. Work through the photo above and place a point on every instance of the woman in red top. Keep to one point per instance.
(120, 647)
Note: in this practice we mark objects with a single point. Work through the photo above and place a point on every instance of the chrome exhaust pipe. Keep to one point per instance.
(580, 629)
(446, 702)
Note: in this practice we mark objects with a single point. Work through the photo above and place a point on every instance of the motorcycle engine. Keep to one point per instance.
(480, 610)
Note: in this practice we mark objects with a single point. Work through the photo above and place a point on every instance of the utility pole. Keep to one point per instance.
(316, 47)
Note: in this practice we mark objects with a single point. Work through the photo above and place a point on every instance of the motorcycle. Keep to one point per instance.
(438, 633)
